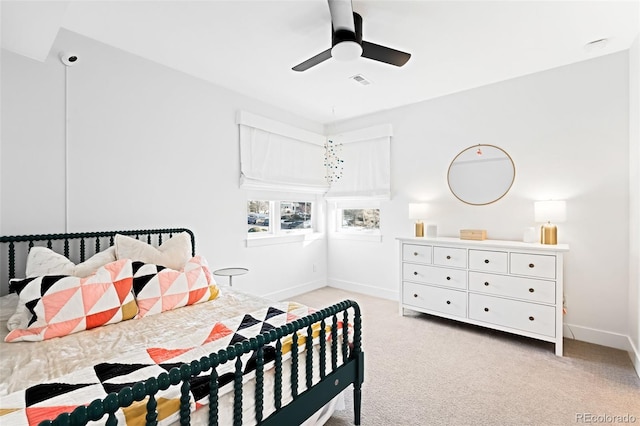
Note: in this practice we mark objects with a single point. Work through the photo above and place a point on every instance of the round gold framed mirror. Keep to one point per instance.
(481, 174)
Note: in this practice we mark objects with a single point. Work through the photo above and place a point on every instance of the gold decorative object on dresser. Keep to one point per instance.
(509, 286)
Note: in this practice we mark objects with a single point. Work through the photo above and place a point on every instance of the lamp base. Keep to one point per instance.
(419, 229)
(548, 234)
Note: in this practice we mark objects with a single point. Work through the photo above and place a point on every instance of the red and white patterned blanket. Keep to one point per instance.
(45, 401)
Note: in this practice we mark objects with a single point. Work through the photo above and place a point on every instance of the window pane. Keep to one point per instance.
(258, 216)
(295, 215)
(360, 219)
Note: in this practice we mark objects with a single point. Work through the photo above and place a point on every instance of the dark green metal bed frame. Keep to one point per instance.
(346, 359)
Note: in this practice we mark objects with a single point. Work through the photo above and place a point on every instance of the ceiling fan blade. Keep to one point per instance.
(384, 54)
(341, 15)
(320, 57)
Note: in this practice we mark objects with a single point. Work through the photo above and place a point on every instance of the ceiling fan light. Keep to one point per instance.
(346, 51)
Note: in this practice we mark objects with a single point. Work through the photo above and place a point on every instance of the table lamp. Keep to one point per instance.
(549, 211)
(418, 212)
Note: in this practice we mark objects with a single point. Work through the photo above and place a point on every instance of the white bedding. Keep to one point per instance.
(25, 364)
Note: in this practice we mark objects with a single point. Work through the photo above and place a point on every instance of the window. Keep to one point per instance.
(292, 217)
(258, 216)
(295, 215)
(357, 220)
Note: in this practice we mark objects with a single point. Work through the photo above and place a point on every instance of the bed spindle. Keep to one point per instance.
(309, 357)
(323, 349)
(185, 389)
(12, 260)
(49, 244)
(213, 391)
(97, 245)
(278, 379)
(345, 336)
(82, 250)
(152, 405)
(160, 239)
(259, 397)
(66, 247)
(334, 342)
(237, 388)
(294, 363)
(357, 353)
(111, 406)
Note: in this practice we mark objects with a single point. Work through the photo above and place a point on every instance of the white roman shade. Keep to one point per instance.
(279, 157)
(366, 166)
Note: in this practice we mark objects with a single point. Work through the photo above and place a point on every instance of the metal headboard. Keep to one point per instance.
(75, 245)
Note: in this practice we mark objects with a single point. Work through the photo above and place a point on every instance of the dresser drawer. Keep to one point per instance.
(416, 253)
(448, 256)
(489, 261)
(438, 299)
(455, 278)
(524, 316)
(533, 265)
(528, 289)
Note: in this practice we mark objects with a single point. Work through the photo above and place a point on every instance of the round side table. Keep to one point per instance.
(230, 272)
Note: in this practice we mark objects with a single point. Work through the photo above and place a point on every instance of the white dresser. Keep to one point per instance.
(505, 285)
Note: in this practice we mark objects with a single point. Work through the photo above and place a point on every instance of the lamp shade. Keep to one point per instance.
(550, 211)
(418, 210)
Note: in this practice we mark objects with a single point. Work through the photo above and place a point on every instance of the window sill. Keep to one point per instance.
(374, 238)
(268, 240)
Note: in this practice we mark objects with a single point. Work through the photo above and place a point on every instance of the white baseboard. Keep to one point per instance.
(598, 337)
(363, 288)
(295, 291)
(634, 354)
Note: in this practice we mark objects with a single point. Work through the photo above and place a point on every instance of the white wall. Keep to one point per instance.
(567, 132)
(147, 147)
(634, 202)
(152, 147)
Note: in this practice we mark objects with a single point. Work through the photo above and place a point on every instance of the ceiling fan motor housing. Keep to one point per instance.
(340, 35)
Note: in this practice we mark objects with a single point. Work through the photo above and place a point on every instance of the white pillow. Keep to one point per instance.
(8, 305)
(44, 261)
(20, 318)
(173, 253)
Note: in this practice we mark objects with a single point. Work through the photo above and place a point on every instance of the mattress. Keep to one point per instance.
(26, 364)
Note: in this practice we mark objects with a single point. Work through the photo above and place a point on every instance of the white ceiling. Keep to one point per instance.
(250, 45)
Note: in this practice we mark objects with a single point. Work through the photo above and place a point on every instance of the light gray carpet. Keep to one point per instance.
(423, 370)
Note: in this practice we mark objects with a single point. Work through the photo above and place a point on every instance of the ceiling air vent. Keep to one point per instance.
(359, 78)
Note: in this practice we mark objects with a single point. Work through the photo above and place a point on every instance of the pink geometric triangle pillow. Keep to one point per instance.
(158, 289)
(62, 305)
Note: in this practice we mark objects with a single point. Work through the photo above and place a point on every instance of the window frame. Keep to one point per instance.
(277, 234)
(363, 234)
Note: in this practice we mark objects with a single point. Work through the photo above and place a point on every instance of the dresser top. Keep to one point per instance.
(454, 241)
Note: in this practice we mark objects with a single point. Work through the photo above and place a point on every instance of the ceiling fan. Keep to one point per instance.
(347, 43)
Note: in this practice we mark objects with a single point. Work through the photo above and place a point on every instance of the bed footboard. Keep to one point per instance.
(340, 364)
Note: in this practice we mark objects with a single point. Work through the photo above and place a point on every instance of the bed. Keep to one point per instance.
(224, 357)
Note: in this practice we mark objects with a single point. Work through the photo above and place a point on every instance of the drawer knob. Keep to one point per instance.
(415, 295)
(486, 309)
(486, 261)
(448, 302)
(531, 290)
(415, 273)
(531, 265)
(486, 283)
(448, 257)
(448, 278)
(531, 318)
(415, 253)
